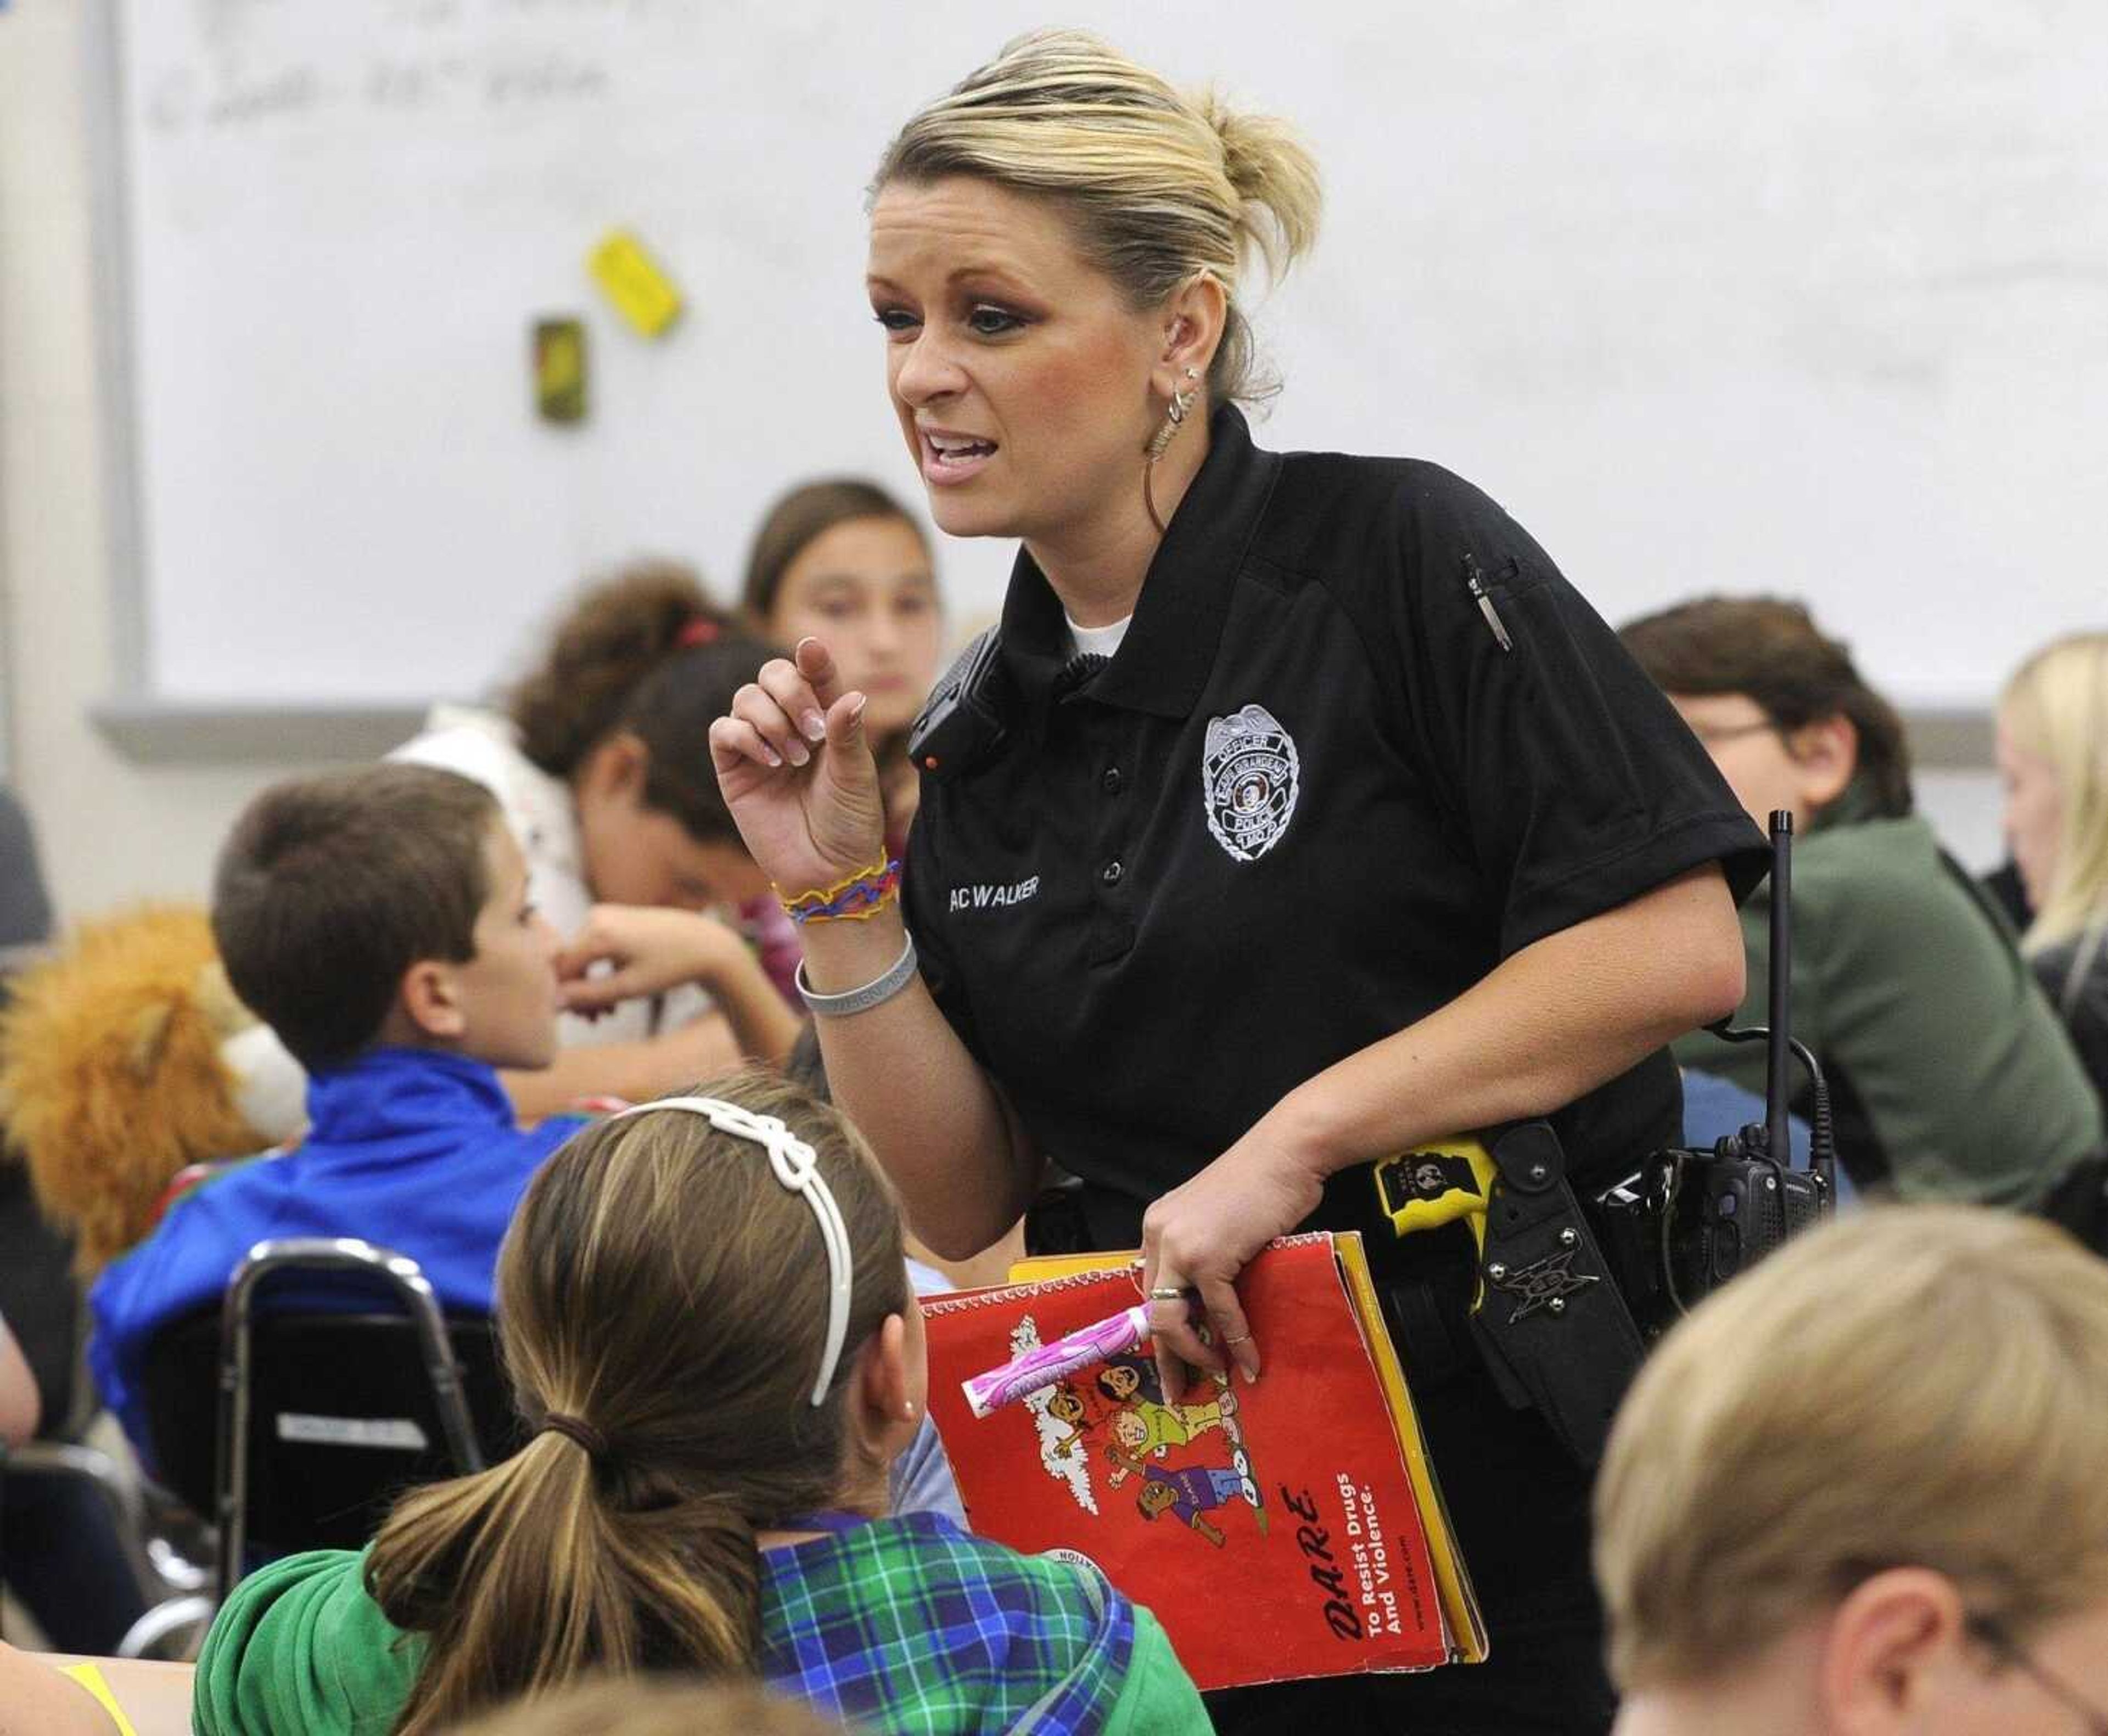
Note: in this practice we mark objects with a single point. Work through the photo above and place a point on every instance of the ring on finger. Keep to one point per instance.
(1168, 1292)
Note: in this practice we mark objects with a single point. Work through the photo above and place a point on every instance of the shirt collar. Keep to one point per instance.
(1163, 663)
(1857, 804)
(386, 1093)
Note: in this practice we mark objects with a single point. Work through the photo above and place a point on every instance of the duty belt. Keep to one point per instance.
(1549, 1322)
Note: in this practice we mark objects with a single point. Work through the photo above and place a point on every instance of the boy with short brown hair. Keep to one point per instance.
(378, 921)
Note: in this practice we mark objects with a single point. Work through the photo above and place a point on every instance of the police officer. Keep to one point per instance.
(1302, 814)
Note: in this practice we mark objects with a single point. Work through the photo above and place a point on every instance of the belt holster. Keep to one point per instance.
(1550, 1320)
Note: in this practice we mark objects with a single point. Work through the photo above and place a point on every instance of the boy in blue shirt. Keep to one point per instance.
(378, 921)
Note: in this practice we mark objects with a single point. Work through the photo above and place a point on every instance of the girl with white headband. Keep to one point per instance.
(706, 1311)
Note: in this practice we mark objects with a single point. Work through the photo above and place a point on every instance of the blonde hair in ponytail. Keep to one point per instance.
(2056, 707)
(1161, 186)
(661, 1286)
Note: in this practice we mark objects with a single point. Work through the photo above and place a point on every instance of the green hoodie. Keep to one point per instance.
(906, 1625)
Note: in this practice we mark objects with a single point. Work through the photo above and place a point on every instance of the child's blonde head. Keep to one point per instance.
(1917, 1386)
(2055, 707)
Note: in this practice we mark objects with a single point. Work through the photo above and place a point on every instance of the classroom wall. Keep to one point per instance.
(111, 830)
(114, 830)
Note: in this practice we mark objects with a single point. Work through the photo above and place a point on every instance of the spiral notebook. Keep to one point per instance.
(1284, 1529)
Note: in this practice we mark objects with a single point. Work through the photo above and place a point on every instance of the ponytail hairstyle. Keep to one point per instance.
(645, 653)
(2056, 706)
(665, 1298)
(1160, 186)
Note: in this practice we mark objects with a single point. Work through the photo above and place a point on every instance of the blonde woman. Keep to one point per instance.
(1858, 1492)
(2053, 758)
(1306, 813)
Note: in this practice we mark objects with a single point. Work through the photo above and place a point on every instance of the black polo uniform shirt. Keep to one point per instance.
(1311, 800)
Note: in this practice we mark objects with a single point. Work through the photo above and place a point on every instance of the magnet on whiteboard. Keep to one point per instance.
(634, 282)
(560, 370)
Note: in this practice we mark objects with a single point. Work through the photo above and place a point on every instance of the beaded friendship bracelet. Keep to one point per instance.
(852, 900)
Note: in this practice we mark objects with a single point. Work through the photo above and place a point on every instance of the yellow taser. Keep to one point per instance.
(1447, 1181)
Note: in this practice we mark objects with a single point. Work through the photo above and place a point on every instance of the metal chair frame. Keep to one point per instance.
(314, 1254)
(169, 1610)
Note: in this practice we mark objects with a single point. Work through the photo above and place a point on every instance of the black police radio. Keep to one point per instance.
(1554, 1334)
(1687, 1221)
(961, 725)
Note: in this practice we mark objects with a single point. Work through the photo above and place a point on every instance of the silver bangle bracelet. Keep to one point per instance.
(879, 990)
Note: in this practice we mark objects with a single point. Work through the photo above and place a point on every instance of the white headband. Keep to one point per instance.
(797, 1168)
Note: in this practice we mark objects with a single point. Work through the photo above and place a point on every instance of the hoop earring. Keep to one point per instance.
(1175, 419)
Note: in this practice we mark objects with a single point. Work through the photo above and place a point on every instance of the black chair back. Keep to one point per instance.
(340, 1411)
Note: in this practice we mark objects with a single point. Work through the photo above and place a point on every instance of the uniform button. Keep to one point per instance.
(1111, 872)
(1111, 782)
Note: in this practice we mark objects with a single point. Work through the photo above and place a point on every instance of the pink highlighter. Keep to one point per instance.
(1095, 1344)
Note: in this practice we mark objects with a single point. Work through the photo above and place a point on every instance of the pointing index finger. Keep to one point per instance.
(816, 662)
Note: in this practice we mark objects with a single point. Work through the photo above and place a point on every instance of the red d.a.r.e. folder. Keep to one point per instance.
(1288, 1528)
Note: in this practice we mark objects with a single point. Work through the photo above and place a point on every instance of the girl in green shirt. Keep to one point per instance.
(704, 1308)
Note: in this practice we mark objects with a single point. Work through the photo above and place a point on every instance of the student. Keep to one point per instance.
(1949, 1073)
(1858, 1491)
(706, 1314)
(62, 1554)
(601, 763)
(21, 1408)
(2053, 756)
(843, 560)
(379, 921)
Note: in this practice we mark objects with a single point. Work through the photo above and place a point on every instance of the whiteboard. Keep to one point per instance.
(1794, 297)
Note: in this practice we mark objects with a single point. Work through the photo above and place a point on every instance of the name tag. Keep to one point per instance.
(987, 897)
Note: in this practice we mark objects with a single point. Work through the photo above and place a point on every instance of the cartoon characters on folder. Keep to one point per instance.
(1187, 1494)
(1146, 1426)
(1118, 1412)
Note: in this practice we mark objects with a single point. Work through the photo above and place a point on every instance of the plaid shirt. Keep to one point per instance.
(909, 1626)
(906, 1626)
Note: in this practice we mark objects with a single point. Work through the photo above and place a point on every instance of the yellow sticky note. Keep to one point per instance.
(635, 282)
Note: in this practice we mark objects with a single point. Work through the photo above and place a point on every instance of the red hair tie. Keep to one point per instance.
(700, 631)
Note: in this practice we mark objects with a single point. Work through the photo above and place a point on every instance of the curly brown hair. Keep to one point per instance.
(644, 652)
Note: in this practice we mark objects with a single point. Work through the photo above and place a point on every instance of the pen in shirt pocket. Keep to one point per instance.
(1476, 581)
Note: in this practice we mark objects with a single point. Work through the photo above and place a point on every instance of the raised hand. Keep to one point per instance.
(798, 774)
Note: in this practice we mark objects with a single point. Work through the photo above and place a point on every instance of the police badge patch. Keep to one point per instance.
(1249, 777)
